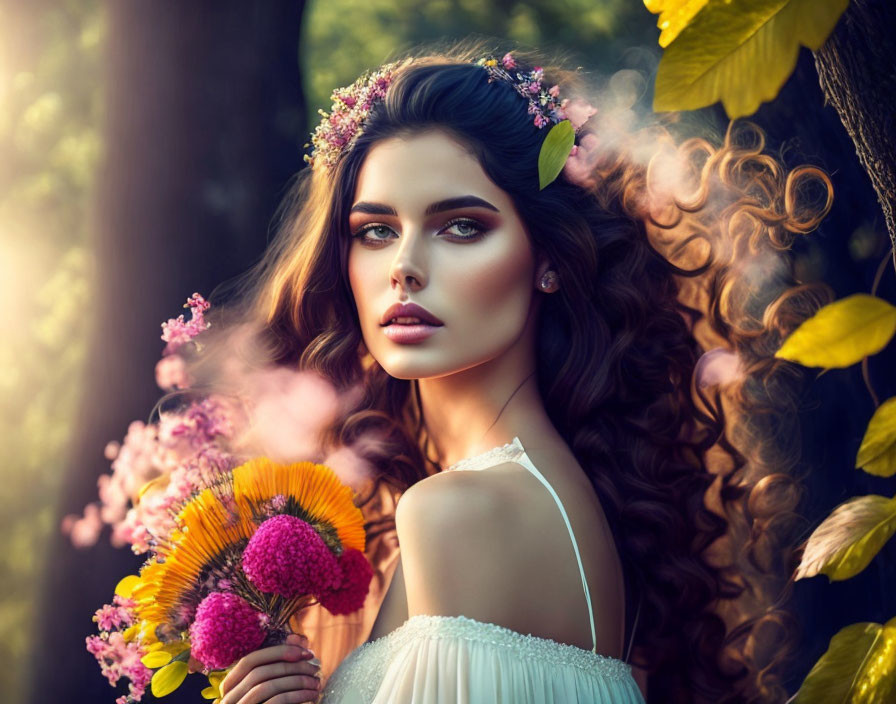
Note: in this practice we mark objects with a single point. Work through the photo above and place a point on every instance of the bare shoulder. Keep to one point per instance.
(471, 542)
(462, 535)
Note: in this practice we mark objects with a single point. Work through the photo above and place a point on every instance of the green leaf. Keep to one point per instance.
(674, 15)
(169, 678)
(858, 667)
(740, 52)
(877, 453)
(842, 333)
(848, 539)
(554, 152)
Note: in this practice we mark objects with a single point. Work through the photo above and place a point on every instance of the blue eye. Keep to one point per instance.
(465, 228)
(378, 233)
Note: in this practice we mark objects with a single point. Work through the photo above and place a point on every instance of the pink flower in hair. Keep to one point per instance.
(508, 61)
(578, 111)
(579, 168)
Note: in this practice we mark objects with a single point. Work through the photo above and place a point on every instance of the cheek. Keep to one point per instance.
(361, 275)
(494, 290)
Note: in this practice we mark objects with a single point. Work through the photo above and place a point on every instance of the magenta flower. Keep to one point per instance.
(508, 61)
(225, 629)
(350, 595)
(286, 556)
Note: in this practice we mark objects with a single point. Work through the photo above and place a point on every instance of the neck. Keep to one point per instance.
(482, 407)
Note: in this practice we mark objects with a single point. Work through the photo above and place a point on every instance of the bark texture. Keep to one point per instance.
(205, 125)
(857, 71)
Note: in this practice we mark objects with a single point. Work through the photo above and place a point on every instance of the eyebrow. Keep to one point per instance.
(441, 206)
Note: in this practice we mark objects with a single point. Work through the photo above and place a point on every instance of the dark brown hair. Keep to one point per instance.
(696, 488)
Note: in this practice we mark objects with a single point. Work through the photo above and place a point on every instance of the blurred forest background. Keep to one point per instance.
(144, 147)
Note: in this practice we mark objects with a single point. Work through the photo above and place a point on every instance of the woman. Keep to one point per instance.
(539, 335)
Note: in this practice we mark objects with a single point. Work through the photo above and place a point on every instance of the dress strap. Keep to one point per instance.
(523, 459)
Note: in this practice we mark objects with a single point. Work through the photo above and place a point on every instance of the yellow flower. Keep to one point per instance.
(216, 524)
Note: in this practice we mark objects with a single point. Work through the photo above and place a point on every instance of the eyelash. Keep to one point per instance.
(359, 235)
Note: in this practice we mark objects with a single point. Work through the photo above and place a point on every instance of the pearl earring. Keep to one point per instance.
(548, 282)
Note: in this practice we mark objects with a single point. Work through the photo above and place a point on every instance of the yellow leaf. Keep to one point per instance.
(740, 52)
(877, 453)
(131, 633)
(883, 465)
(169, 678)
(674, 16)
(842, 333)
(216, 677)
(858, 667)
(125, 586)
(156, 659)
(848, 539)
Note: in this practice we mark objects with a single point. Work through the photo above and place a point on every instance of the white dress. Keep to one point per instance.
(458, 660)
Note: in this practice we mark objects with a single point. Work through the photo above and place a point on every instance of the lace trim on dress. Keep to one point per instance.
(489, 458)
(366, 677)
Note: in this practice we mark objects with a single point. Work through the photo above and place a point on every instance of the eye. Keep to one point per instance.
(373, 234)
(464, 229)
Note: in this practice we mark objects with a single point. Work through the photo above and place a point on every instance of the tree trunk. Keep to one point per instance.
(855, 68)
(205, 125)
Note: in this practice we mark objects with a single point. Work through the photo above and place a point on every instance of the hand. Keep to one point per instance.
(281, 674)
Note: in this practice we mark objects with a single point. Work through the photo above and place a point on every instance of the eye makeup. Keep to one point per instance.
(479, 228)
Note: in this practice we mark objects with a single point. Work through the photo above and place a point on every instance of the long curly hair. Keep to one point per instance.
(691, 454)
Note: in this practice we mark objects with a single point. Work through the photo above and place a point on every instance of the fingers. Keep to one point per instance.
(288, 652)
(272, 679)
(297, 688)
(294, 698)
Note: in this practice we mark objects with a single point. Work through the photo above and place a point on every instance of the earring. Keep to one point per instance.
(549, 282)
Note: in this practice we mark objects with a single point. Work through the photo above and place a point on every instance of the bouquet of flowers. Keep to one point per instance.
(235, 547)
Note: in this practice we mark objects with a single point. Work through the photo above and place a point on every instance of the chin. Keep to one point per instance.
(414, 363)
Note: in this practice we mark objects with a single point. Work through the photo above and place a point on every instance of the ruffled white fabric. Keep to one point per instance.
(458, 660)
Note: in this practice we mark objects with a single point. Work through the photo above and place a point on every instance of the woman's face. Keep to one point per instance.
(429, 228)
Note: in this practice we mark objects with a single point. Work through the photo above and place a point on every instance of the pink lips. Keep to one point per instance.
(408, 323)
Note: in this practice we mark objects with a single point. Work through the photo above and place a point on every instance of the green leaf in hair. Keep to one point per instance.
(554, 152)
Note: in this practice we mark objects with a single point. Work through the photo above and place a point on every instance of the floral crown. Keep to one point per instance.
(340, 128)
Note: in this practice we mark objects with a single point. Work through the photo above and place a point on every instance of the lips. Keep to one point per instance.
(408, 314)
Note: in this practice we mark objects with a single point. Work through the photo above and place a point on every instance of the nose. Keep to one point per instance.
(408, 270)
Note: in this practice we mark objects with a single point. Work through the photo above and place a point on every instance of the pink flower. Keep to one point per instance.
(84, 530)
(350, 595)
(118, 659)
(177, 332)
(119, 614)
(225, 629)
(508, 61)
(579, 167)
(540, 120)
(578, 111)
(171, 373)
(286, 556)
